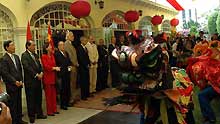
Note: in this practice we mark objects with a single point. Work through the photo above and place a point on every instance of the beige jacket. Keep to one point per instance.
(70, 49)
(93, 54)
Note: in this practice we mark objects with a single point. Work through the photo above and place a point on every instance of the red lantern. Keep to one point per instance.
(80, 9)
(156, 20)
(131, 16)
(174, 22)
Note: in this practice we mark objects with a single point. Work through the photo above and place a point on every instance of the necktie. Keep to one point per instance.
(33, 57)
(64, 54)
(13, 59)
(86, 50)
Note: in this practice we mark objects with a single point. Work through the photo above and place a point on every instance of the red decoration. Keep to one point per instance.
(80, 9)
(156, 20)
(131, 16)
(49, 36)
(175, 4)
(174, 22)
(28, 33)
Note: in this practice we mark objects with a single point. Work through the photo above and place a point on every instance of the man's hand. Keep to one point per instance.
(5, 116)
(56, 68)
(18, 83)
(40, 76)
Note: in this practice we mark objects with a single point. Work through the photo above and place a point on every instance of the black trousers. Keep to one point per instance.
(34, 99)
(115, 71)
(102, 78)
(65, 91)
(15, 104)
(84, 82)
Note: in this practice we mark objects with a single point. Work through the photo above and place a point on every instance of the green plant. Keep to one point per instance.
(212, 28)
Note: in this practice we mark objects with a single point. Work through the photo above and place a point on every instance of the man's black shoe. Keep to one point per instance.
(41, 117)
(32, 119)
(212, 121)
(23, 122)
(64, 108)
(56, 112)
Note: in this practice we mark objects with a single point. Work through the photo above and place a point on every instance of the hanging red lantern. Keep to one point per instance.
(131, 16)
(80, 9)
(174, 22)
(156, 20)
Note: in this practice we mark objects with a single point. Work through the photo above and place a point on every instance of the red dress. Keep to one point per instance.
(49, 79)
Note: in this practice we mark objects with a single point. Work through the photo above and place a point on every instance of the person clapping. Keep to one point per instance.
(49, 78)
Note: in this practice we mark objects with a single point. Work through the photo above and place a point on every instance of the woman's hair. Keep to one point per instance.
(45, 46)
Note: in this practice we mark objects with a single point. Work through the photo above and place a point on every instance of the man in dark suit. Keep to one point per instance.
(83, 59)
(63, 61)
(33, 74)
(102, 66)
(114, 65)
(12, 76)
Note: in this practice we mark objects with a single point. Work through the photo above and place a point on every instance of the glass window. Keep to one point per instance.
(60, 18)
(6, 30)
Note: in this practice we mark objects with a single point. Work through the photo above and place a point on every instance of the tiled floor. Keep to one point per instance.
(71, 116)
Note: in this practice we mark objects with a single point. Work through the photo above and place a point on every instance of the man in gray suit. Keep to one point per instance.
(70, 49)
(13, 79)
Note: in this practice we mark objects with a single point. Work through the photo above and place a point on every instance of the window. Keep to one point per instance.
(6, 30)
(115, 20)
(166, 26)
(60, 18)
(146, 26)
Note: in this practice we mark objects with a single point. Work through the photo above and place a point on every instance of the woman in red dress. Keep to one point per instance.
(49, 79)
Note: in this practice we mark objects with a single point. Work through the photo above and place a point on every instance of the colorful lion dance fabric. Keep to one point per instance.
(204, 66)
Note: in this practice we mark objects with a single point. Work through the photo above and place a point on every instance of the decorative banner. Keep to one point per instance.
(28, 33)
(49, 36)
(80, 9)
(176, 5)
(131, 16)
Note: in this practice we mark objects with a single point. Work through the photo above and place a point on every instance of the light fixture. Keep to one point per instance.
(100, 2)
(140, 12)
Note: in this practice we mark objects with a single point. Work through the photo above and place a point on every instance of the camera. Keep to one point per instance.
(4, 97)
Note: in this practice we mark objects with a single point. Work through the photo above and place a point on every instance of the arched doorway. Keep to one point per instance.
(146, 26)
(166, 26)
(60, 19)
(6, 27)
(115, 25)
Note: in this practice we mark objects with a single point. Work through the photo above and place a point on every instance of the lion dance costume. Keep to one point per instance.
(204, 70)
(164, 95)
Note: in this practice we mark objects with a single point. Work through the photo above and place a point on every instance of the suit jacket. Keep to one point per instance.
(83, 58)
(31, 68)
(48, 63)
(10, 73)
(70, 49)
(110, 49)
(93, 53)
(63, 62)
(103, 55)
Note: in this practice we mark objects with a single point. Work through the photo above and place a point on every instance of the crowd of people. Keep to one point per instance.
(75, 71)
(72, 71)
(200, 58)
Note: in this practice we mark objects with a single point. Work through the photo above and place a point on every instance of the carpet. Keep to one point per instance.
(97, 102)
(108, 117)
